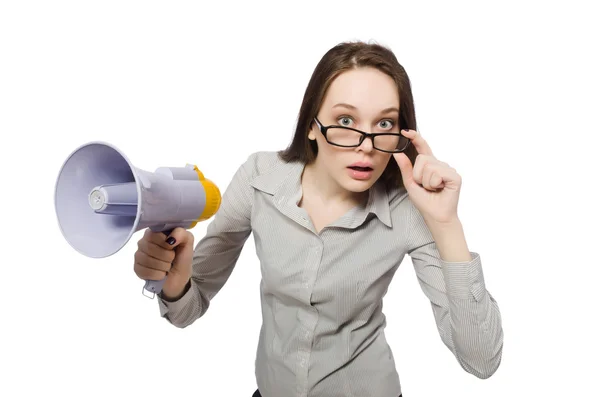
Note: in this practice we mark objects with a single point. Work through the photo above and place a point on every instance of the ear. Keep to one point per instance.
(311, 131)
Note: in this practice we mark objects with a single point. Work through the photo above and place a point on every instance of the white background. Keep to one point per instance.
(507, 93)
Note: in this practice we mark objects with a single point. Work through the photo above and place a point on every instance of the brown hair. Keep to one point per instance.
(343, 57)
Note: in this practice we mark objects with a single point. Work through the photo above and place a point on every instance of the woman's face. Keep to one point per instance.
(365, 99)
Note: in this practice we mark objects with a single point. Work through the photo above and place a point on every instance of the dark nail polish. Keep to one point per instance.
(170, 241)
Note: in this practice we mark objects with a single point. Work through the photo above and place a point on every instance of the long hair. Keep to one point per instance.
(343, 57)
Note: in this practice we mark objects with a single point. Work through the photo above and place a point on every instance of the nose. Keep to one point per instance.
(366, 145)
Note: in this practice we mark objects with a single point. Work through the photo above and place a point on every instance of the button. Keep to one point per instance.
(305, 285)
(307, 334)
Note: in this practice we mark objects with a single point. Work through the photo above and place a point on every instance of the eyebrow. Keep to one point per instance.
(384, 111)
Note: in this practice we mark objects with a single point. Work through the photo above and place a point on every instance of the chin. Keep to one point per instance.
(357, 186)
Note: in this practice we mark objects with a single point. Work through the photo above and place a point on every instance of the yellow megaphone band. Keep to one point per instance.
(213, 198)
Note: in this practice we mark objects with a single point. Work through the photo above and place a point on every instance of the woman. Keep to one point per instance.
(333, 217)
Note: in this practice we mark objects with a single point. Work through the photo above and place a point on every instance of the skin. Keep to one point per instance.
(328, 190)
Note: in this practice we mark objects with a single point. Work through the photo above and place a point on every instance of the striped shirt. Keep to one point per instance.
(321, 293)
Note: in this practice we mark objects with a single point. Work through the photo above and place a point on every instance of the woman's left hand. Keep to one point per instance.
(432, 185)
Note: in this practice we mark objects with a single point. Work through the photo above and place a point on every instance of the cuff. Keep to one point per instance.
(175, 306)
(464, 280)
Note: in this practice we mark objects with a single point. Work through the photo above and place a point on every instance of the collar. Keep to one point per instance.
(283, 182)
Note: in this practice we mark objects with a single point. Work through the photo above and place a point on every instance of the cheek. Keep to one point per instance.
(334, 158)
(328, 152)
(383, 162)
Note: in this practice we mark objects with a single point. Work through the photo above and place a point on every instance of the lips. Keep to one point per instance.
(361, 166)
(360, 171)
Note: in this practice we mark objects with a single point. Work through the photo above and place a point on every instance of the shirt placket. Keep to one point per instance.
(307, 317)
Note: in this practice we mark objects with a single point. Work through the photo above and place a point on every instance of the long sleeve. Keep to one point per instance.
(216, 254)
(467, 316)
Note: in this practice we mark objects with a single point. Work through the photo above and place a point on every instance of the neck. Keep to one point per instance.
(326, 190)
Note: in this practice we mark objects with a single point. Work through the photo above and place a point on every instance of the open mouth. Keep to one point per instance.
(360, 173)
(363, 169)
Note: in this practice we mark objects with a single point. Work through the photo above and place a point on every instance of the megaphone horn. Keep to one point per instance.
(101, 200)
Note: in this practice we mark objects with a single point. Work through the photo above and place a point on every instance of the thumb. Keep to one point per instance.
(184, 252)
(406, 169)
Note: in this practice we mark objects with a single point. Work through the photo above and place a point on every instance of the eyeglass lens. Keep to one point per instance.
(346, 137)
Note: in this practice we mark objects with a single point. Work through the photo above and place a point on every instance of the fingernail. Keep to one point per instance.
(171, 241)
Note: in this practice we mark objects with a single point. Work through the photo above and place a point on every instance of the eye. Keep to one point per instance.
(386, 124)
(345, 121)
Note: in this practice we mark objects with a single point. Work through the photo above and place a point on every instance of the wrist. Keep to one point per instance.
(450, 242)
(451, 224)
(172, 295)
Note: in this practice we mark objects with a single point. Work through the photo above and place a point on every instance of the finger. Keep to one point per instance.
(418, 141)
(181, 236)
(434, 180)
(146, 260)
(146, 273)
(450, 178)
(418, 169)
(429, 170)
(154, 250)
(176, 237)
(421, 162)
(436, 174)
(426, 177)
(406, 170)
(444, 177)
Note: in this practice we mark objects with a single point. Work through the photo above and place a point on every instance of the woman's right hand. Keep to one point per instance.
(159, 255)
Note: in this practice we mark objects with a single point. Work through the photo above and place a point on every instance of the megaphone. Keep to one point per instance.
(101, 200)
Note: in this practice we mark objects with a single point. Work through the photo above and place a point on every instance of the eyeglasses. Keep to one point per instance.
(338, 135)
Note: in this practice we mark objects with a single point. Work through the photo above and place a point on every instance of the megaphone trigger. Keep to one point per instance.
(101, 200)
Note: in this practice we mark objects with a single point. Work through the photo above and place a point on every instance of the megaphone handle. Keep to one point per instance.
(155, 286)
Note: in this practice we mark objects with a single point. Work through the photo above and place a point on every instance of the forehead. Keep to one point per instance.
(368, 89)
